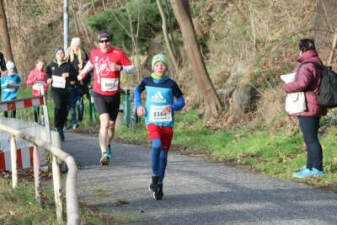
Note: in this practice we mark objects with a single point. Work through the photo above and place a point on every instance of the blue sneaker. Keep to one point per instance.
(303, 173)
(316, 172)
(109, 152)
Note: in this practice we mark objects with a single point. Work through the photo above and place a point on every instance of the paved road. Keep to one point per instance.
(197, 191)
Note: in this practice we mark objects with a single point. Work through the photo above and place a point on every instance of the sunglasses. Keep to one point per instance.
(104, 41)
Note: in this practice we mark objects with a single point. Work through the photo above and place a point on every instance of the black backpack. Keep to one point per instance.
(327, 94)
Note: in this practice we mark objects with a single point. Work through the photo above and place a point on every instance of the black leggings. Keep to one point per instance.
(13, 114)
(309, 126)
(61, 102)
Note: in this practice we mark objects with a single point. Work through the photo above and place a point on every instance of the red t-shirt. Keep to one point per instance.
(107, 81)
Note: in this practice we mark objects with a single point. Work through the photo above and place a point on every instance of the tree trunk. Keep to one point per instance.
(5, 34)
(333, 49)
(212, 102)
(167, 40)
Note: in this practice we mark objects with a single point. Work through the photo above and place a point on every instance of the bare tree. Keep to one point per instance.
(5, 34)
(181, 9)
(133, 34)
(166, 37)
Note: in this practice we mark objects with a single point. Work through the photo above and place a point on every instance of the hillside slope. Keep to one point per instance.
(244, 43)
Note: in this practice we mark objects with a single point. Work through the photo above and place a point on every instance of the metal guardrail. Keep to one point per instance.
(57, 153)
(71, 194)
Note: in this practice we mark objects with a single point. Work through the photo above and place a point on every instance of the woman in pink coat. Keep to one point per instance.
(308, 80)
(37, 78)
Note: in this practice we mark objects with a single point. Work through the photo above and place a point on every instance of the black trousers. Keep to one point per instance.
(13, 114)
(61, 102)
(309, 126)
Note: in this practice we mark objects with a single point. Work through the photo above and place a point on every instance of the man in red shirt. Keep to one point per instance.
(107, 63)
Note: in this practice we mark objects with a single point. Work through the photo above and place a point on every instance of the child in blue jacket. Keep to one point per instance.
(160, 104)
(10, 84)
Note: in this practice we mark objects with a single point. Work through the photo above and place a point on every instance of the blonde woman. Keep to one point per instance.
(78, 58)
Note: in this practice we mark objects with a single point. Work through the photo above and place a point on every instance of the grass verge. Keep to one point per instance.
(18, 207)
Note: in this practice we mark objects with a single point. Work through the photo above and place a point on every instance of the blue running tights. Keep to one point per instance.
(159, 159)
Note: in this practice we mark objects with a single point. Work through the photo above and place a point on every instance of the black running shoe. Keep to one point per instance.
(158, 194)
(154, 183)
(61, 134)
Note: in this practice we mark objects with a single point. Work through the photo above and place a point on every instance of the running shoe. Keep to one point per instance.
(61, 134)
(105, 159)
(75, 126)
(305, 172)
(154, 183)
(158, 194)
(109, 152)
(316, 172)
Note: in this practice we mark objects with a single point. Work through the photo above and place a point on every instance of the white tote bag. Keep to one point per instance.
(295, 102)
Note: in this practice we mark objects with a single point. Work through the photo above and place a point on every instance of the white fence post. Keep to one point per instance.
(37, 182)
(14, 162)
(57, 182)
(73, 217)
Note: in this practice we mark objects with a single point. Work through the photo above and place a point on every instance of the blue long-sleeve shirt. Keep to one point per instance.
(9, 87)
(160, 93)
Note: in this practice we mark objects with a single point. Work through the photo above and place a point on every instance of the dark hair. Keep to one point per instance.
(306, 44)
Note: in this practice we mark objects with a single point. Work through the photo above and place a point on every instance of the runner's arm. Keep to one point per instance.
(180, 103)
(128, 69)
(4, 83)
(18, 81)
(2, 63)
(87, 68)
(138, 99)
(31, 78)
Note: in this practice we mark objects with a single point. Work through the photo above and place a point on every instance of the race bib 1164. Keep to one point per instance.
(157, 114)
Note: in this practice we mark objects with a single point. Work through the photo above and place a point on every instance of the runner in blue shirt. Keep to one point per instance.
(161, 92)
(10, 83)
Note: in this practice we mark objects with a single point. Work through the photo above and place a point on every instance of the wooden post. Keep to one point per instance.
(14, 162)
(45, 114)
(57, 190)
(57, 182)
(37, 182)
(73, 217)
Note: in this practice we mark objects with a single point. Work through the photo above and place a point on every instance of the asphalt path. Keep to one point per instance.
(196, 191)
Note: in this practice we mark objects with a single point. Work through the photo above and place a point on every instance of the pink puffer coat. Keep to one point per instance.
(308, 80)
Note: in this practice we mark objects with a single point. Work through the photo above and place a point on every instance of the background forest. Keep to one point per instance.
(246, 45)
